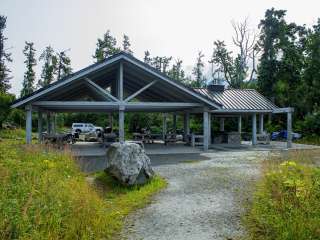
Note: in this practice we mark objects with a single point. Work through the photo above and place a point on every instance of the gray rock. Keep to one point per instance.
(128, 163)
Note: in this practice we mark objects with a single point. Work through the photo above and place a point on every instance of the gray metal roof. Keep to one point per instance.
(239, 99)
(136, 75)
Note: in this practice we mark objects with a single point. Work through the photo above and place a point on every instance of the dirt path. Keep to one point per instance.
(202, 201)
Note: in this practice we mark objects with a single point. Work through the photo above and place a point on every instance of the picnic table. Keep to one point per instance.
(58, 138)
(109, 138)
(143, 137)
(263, 138)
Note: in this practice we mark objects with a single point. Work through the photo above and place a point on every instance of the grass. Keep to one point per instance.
(312, 140)
(286, 204)
(13, 134)
(43, 195)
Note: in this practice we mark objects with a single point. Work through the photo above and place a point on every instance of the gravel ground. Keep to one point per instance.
(202, 201)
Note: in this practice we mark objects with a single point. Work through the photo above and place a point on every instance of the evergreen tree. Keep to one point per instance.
(311, 76)
(281, 63)
(165, 64)
(177, 72)
(64, 65)
(156, 62)
(161, 63)
(4, 58)
(147, 59)
(198, 72)
(272, 29)
(126, 44)
(106, 47)
(225, 63)
(49, 69)
(29, 75)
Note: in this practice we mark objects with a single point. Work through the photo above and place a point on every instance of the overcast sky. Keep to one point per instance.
(177, 28)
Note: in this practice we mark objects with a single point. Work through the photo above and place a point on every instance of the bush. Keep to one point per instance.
(311, 123)
(5, 101)
(286, 205)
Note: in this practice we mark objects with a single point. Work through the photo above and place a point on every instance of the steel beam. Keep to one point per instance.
(186, 125)
(40, 126)
(120, 82)
(174, 116)
(140, 91)
(205, 131)
(239, 124)
(261, 116)
(209, 131)
(121, 125)
(221, 124)
(164, 126)
(283, 110)
(99, 90)
(28, 124)
(254, 129)
(289, 129)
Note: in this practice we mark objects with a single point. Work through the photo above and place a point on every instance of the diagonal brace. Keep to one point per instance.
(100, 90)
(140, 91)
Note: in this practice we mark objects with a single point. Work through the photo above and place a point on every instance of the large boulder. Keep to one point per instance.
(128, 163)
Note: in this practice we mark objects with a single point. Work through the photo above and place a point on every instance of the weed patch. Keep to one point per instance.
(286, 203)
(43, 195)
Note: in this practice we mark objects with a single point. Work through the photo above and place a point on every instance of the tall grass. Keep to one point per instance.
(18, 133)
(312, 140)
(286, 205)
(43, 195)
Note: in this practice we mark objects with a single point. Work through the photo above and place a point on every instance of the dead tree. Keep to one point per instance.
(246, 40)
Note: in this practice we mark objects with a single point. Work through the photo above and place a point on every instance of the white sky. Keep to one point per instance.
(178, 28)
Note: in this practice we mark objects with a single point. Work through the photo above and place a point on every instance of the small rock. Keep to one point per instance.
(128, 163)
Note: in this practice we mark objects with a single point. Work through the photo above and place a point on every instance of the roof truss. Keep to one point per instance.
(91, 75)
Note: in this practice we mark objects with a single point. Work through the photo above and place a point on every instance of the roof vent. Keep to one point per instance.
(215, 88)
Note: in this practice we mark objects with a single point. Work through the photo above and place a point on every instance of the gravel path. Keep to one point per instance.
(202, 200)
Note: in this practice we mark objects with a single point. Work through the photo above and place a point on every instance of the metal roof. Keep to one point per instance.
(239, 99)
(167, 89)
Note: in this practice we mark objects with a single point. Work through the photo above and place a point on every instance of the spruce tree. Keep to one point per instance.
(147, 58)
(176, 72)
(311, 75)
(224, 62)
(106, 47)
(161, 63)
(49, 69)
(126, 44)
(272, 27)
(64, 65)
(4, 58)
(198, 71)
(29, 75)
(281, 62)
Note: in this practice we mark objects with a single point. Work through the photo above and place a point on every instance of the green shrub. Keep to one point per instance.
(310, 125)
(312, 139)
(286, 205)
(13, 134)
(5, 101)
